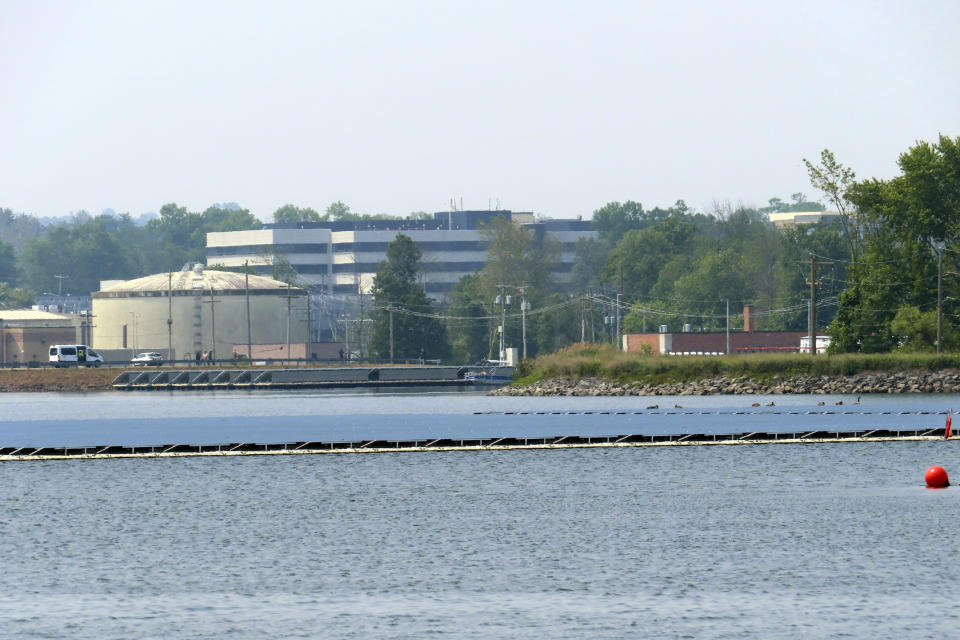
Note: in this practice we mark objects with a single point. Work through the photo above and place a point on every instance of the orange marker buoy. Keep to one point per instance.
(936, 477)
(946, 431)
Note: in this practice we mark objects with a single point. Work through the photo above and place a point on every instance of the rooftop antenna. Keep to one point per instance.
(450, 216)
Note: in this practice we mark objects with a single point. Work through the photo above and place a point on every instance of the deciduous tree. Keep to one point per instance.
(395, 287)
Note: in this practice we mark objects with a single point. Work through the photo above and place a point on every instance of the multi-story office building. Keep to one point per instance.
(342, 256)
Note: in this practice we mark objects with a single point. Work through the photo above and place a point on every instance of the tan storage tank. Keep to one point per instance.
(198, 311)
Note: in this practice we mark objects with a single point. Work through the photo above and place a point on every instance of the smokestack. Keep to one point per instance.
(747, 318)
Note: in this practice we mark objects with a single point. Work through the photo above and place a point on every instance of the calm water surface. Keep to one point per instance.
(776, 541)
(156, 418)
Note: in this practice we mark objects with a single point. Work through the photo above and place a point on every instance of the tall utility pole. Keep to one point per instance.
(939, 246)
(289, 302)
(619, 344)
(213, 326)
(246, 291)
(170, 315)
(360, 329)
(523, 316)
(503, 319)
(583, 324)
(391, 335)
(728, 325)
(308, 348)
(619, 294)
(133, 333)
(813, 300)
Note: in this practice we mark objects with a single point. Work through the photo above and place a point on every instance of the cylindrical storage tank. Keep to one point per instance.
(203, 306)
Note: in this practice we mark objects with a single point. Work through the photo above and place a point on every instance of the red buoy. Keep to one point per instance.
(946, 431)
(936, 477)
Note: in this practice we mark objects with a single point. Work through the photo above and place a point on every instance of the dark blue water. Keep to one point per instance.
(771, 541)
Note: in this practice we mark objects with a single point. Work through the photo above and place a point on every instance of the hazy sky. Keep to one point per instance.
(397, 106)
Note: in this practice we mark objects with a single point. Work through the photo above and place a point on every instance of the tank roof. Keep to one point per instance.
(200, 279)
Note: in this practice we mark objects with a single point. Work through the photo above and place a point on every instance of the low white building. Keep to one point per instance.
(793, 218)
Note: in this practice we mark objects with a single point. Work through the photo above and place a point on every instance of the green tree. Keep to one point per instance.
(87, 253)
(291, 213)
(227, 219)
(172, 240)
(337, 211)
(8, 263)
(520, 265)
(916, 330)
(395, 288)
(641, 254)
(613, 220)
(590, 256)
(904, 218)
(835, 180)
(467, 328)
(556, 324)
(18, 228)
(825, 241)
(517, 257)
(11, 298)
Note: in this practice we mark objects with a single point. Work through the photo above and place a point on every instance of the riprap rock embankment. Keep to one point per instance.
(902, 382)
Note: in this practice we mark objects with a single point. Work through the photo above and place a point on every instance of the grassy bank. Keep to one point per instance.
(603, 361)
(72, 379)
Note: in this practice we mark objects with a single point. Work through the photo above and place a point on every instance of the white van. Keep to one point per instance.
(65, 355)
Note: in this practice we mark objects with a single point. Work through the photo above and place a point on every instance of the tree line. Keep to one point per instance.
(87, 249)
(882, 260)
(672, 266)
(888, 277)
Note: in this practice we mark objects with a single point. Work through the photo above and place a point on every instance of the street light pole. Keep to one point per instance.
(60, 280)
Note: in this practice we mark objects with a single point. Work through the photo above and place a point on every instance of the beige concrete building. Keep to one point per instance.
(198, 311)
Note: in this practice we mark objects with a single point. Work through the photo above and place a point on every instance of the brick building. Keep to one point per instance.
(27, 334)
(715, 342)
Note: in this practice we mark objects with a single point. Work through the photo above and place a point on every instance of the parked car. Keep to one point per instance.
(66, 355)
(151, 359)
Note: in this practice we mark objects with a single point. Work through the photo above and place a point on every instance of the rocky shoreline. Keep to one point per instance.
(899, 382)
